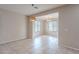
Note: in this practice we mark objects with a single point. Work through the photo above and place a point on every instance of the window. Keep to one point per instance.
(52, 25)
(37, 26)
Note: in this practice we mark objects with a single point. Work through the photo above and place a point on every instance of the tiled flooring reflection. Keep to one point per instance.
(39, 45)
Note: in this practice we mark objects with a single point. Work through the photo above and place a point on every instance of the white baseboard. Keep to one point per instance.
(11, 41)
(69, 47)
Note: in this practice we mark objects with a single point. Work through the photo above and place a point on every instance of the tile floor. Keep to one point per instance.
(39, 45)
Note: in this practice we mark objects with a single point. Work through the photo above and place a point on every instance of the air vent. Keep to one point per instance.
(34, 6)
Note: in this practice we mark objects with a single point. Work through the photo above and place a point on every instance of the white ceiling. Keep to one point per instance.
(27, 9)
(49, 16)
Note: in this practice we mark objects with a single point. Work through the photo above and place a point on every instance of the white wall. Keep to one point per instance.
(12, 26)
(69, 26)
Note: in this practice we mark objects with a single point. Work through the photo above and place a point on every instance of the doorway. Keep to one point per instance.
(46, 26)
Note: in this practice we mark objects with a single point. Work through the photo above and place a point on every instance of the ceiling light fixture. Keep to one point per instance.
(33, 18)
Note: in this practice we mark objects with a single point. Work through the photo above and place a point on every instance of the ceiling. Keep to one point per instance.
(27, 9)
(49, 16)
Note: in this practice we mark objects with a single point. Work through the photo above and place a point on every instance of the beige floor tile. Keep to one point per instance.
(39, 45)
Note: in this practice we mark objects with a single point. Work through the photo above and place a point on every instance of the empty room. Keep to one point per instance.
(39, 28)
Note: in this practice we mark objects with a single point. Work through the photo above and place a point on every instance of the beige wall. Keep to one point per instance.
(29, 28)
(12, 26)
(69, 26)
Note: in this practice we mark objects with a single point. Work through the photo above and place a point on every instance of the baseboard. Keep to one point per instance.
(69, 47)
(11, 41)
